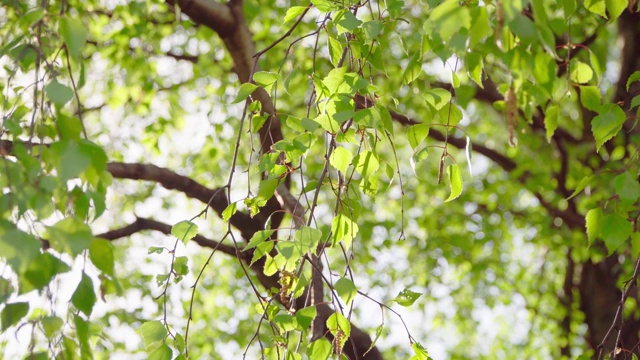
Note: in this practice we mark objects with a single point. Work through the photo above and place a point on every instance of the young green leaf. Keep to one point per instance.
(437, 98)
(246, 89)
(58, 93)
(615, 231)
(580, 72)
(184, 230)
(74, 34)
(293, 13)
(85, 296)
(627, 187)
(163, 352)
(265, 78)
(12, 313)
(633, 78)
(305, 316)
(101, 254)
(346, 290)
(590, 97)
(420, 352)
(407, 297)
(153, 334)
(340, 328)
(366, 163)
(455, 181)
(581, 185)
(594, 224)
(229, 211)
(551, 120)
(417, 133)
(606, 125)
(320, 349)
(340, 159)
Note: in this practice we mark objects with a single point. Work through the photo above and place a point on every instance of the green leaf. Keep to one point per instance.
(229, 211)
(17, 247)
(596, 7)
(474, 68)
(449, 17)
(101, 254)
(615, 231)
(51, 325)
(41, 271)
(84, 298)
(366, 163)
(581, 185)
(58, 93)
(627, 187)
(594, 224)
(346, 21)
(524, 29)
(286, 322)
(580, 72)
(437, 98)
(305, 316)
(74, 34)
(340, 159)
(308, 239)
(369, 117)
(70, 235)
(13, 313)
(335, 51)
(412, 70)
(340, 328)
(417, 133)
(420, 352)
(153, 333)
(346, 290)
(184, 230)
(70, 158)
(372, 29)
(293, 13)
(569, 7)
(343, 229)
(82, 331)
(633, 78)
(419, 163)
(551, 120)
(480, 25)
(265, 78)
(635, 244)
(407, 297)
(615, 8)
(606, 125)
(590, 97)
(164, 352)
(246, 89)
(6, 289)
(178, 342)
(320, 349)
(258, 238)
(455, 180)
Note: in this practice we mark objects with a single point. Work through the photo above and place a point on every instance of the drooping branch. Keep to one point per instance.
(172, 181)
(142, 224)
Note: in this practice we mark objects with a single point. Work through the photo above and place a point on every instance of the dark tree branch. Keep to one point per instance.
(172, 181)
(142, 224)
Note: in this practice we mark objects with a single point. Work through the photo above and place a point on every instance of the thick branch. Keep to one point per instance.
(503, 161)
(172, 181)
(142, 224)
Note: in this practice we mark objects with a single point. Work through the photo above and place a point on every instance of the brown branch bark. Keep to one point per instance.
(216, 198)
(142, 224)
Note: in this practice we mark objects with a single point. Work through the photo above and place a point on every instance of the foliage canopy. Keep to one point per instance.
(333, 179)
